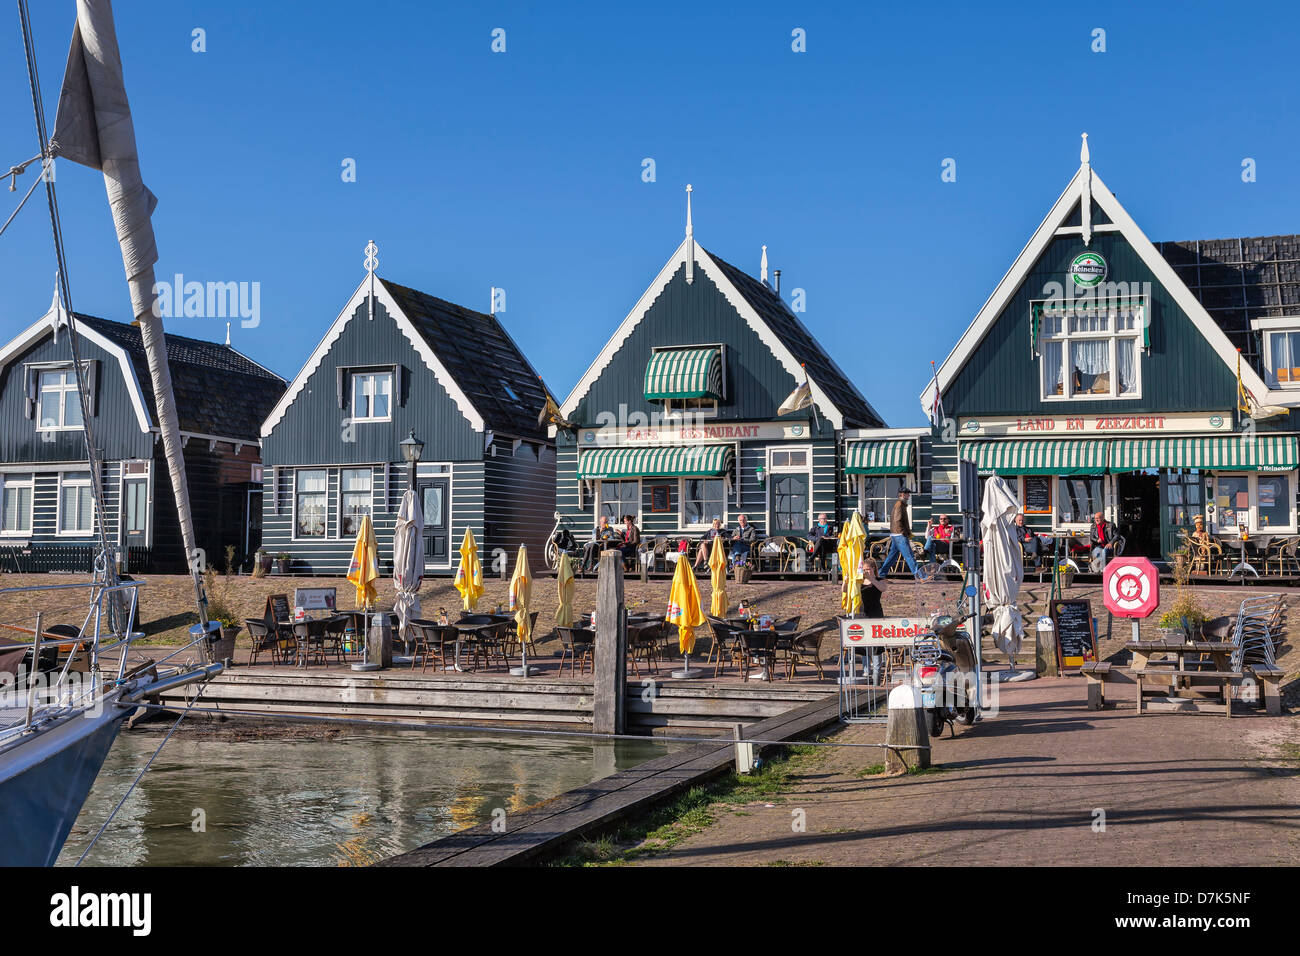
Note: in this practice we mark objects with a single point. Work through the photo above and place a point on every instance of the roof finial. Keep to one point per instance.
(690, 239)
(1085, 195)
(227, 333)
(371, 264)
(1083, 150)
(762, 267)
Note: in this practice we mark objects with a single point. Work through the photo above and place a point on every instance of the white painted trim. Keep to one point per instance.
(122, 479)
(737, 301)
(293, 506)
(725, 517)
(48, 324)
(58, 507)
(883, 434)
(769, 480)
(30, 484)
(1038, 243)
(1277, 323)
(407, 328)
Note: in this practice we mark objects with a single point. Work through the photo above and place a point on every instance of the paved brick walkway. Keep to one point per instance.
(1022, 788)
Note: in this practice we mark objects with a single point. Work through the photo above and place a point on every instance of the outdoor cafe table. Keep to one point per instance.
(762, 639)
(472, 624)
(1178, 651)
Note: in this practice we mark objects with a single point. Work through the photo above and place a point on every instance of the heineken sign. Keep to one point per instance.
(1088, 269)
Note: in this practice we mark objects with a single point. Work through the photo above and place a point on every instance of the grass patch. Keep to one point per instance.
(878, 770)
(796, 863)
(669, 824)
(875, 770)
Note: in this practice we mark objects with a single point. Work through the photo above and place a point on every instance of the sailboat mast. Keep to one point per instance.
(93, 127)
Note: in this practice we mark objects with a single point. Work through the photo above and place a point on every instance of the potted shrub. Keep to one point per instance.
(742, 570)
(1170, 623)
(221, 647)
(283, 561)
(261, 564)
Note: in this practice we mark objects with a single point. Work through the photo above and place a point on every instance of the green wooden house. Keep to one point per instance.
(1102, 375)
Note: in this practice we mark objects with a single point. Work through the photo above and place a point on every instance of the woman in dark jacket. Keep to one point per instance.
(631, 537)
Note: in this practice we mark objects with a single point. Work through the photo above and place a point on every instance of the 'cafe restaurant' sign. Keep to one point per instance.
(1097, 424)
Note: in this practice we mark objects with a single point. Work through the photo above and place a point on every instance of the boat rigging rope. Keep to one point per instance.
(140, 775)
(15, 213)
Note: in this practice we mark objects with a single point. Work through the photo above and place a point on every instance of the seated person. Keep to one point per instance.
(599, 535)
(821, 538)
(1103, 539)
(1199, 535)
(706, 545)
(630, 541)
(742, 540)
(1031, 546)
(938, 538)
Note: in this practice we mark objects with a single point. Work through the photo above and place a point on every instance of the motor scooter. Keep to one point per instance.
(945, 672)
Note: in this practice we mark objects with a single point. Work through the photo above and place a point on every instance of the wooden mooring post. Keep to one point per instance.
(609, 707)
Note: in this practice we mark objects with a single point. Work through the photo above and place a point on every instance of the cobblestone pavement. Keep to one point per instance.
(1030, 786)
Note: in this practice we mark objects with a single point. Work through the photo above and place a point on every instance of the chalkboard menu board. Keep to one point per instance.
(1038, 494)
(1076, 642)
(659, 498)
(278, 610)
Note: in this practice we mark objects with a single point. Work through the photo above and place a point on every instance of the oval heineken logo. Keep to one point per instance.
(972, 426)
(1088, 269)
(1216, 421)
(796, 430)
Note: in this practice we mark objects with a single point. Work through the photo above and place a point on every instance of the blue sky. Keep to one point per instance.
(523, 169)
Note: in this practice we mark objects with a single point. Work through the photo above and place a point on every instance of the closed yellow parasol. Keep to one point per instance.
(852, 540)
(684, 606)
(718, 566)
(521, 592)
(564, 581)
(363, 571)
(469, 575)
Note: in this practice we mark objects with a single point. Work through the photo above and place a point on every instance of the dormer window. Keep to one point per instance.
(687, 380)
(1282, 357)
(1090, 353)
(58, 405)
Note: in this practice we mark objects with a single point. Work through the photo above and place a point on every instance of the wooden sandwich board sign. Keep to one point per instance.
(278, 610)
(1076, 638)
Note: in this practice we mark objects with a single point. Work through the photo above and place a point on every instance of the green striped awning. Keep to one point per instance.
(880, 458)
(1080, 456)
(664, 461)
(1242, 452)
(684, 373)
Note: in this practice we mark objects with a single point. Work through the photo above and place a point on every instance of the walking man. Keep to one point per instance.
(900, 535)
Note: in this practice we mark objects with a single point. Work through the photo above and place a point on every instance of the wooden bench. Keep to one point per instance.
(1097, 673)
(1188, 704)
(1271, 680)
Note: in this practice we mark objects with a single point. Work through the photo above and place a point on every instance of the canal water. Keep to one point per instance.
(364, 795)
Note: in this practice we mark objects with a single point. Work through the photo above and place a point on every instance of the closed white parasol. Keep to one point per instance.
(408, 560)
(1004, 567)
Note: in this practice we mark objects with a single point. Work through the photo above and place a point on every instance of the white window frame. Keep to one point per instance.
(18, 480)
(1067, 337)
(908, 479)
(358, 377)
(1252, 489)
(1075, 524)
(65, 390)
(369, 472)
(687, 407)
(614, 521)
(774, 469)
(325, 496)
(708, 521)
(1268, 328)
(64, 482)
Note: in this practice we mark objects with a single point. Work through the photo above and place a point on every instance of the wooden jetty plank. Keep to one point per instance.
(546, 826)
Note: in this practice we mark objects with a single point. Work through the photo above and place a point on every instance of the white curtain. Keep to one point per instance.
(1126, 352)
(1091, 357)
(1052, 368)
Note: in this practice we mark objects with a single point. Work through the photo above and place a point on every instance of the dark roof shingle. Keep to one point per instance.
(483, 359)
(857, 411)
(218, 390)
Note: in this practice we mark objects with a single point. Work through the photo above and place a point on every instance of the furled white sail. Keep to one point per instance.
(93, 127)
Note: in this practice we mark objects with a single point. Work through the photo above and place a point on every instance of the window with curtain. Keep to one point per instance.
(16, 501)
(309, 504)
(1079, 497)
(703, 499)
(1273, 497)
(876, 497)
(618, 498)
(60, 406)
(371, 396)
(1284, 357)
(1092, 353)
(76, 506)
(354, 488)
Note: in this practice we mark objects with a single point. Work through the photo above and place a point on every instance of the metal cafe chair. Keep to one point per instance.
(263, 638)
(725, 643)
(577, 644)
(310, 639)
(760, 647)
(332, 640)
(806, 648)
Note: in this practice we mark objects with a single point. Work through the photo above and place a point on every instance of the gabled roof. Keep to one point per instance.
(219, 392)
(768, 316)
(469, 353)
(1084, 189)
(476, 349)
(1238, 281)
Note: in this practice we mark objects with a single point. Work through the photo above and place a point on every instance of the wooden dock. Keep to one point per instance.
(533, 834)
(654, 702)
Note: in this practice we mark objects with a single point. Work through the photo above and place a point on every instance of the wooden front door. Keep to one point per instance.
(435, 500)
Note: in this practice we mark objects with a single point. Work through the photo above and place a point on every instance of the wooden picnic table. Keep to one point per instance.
(1220, 651)
(1181, 675)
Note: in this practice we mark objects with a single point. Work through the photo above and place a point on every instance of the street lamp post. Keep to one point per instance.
(411, 448)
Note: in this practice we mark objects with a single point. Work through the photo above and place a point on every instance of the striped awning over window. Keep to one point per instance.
(665, 461)
(1064, 457)
(880, 458)
(684, 373)
(1242, 452)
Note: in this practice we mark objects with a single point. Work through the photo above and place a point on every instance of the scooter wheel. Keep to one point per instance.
(936, 723)
(966, 716)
